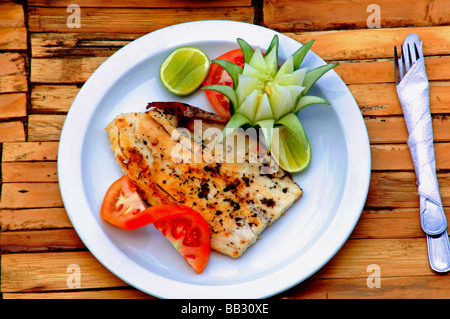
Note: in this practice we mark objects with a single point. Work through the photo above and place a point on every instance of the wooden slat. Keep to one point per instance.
(382, 71)
(400, 158)
(52, 98)
(420, 287)
(396, 257)
(48, 271)
(382, 99)
(372, 43)
(34, 219)
(30, 151)
(389, 223)
(12, 63)
(40, 241)
(329, 45)
(13, 131)
(142, 3)
(13, 105)
(13, 83)
(399, 189)
(392, 129)
(87, 294)
(29, 172)
(11, 15)
(59, 70)
(30, 195)
(13, 38)
(45, 127)
(337, 14)
(78, 44)
(129, 20)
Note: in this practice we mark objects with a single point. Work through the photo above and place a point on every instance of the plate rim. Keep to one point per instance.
(66, 165)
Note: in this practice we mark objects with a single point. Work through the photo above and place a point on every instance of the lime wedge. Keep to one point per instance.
(292, 153)
(184, 70)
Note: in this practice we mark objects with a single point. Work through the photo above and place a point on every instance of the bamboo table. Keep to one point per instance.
(44, 62)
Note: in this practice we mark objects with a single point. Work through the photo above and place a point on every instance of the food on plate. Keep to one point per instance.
(184, 70)
(181, 225)
(122, 204)
(218, 75)
(187, 230)
(267, 96)
(169, 157)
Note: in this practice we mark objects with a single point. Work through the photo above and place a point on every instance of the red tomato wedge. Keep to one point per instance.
(122, 205)
(188, 232)
(184, 227)
(218, 75)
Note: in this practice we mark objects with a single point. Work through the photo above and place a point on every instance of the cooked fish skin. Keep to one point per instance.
(237, 201)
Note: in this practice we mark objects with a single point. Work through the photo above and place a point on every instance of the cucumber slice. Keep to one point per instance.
(295, 78)
(251, 71)
(286, 68)
(308, 100)
(247, 84)
(271, 60)
(300, 54)
(312, 76)
(250, 105)
(267, 129)
(232, 69)
(247, 50)
(235, 122)
(225, 90)
(280, 99)
(264, 111)
(273, 45)
(258, 62)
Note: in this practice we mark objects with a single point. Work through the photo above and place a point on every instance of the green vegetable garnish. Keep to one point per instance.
(267, 96)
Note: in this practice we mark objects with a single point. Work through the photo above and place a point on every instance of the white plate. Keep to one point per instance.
(335, 184)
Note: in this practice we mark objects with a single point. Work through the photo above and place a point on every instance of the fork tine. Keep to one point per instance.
(417, 52)
(409, 56)
(396, 70)
(403, 63)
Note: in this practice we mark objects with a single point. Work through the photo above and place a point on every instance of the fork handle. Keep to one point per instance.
(439, 252)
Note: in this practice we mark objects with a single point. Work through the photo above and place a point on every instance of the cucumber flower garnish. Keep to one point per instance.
(267, 96)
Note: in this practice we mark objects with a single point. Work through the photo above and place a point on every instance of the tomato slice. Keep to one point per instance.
(184, 227)
(188, 232)
(122, 204)
(218, 75)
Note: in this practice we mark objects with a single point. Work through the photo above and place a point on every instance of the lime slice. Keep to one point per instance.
(292, 153)
(184, 70)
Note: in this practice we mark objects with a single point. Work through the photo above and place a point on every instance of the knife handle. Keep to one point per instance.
(433, 219)
(439, 252)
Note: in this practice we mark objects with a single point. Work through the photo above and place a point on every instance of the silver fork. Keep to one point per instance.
(438, 244)
(406, 64)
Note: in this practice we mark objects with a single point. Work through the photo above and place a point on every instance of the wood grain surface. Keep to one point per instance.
(43, 65)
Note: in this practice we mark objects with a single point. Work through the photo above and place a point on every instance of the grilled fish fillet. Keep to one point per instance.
(237, 200)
